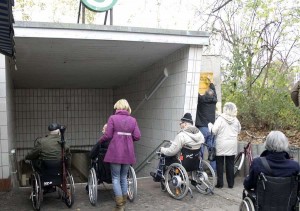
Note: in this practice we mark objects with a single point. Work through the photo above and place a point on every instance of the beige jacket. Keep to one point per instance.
(190, 136)
(226, 130)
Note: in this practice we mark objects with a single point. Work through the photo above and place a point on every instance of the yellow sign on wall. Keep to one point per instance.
(205, 79)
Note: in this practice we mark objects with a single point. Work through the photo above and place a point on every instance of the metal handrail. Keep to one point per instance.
(149, 157)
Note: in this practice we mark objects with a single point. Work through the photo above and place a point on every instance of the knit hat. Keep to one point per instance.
(187, 118)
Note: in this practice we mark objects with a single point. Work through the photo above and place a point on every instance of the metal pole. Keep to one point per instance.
(111, 16)
(105, 17)
(79, 11)
(83, 14)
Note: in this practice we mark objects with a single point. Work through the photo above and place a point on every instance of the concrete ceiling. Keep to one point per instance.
(49, 59)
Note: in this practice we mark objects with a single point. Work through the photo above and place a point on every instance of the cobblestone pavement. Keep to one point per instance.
(150, 197)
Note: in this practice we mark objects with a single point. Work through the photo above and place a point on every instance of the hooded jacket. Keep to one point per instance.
(190, 136)
(226, 130)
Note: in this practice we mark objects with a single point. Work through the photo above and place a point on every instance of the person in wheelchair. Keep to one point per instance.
(187, 136)
(49, 148)
(99, 147)
(274, 162)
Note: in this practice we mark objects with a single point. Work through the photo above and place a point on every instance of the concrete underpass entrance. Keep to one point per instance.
(73, 74)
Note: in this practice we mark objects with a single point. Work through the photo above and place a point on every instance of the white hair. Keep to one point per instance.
(276, 141)
(230, 109)
(54, 132)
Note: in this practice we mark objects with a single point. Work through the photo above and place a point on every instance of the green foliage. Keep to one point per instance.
(269, 107)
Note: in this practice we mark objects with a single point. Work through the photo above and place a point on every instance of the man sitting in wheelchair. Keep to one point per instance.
(49, 148)
(272, 176)
(187, 136)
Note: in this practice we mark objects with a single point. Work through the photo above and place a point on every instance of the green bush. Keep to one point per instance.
(268, 107)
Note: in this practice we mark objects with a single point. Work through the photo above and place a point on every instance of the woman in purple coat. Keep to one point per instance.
(122, 130)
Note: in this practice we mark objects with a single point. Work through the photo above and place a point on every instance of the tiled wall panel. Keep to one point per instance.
(158, 118)
(83, 111)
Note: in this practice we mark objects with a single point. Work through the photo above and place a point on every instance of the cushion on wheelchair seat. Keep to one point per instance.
(103, 171)
(276, 193)
(190, 159)
(51, 172)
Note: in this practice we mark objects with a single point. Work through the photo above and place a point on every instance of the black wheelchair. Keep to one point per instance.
(190, 168)
(100, 172)
(51, 176)
(272, 194)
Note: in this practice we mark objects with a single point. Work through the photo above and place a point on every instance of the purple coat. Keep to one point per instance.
(122, 130)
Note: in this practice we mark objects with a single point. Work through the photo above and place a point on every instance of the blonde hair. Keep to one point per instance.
(122, 105)
(230, 109)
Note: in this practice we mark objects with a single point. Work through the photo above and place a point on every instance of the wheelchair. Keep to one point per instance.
(51, 176)
(100, 172)
(190, 168)
(272, 193)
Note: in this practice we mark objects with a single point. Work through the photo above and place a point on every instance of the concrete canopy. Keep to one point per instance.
(51, 55)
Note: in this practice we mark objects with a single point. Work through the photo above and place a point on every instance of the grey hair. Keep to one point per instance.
(54, 132)
(230, 109)
(276, 141)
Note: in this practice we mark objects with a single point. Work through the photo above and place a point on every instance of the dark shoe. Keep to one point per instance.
(219, 186)
(156, 178)
(230, 186)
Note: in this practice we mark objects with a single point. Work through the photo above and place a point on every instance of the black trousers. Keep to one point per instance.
(229, 165)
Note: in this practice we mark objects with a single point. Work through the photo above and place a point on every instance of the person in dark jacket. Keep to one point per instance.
(122, 130)
(49, 147)
(206, 113)
(99, 146)
(277, 157)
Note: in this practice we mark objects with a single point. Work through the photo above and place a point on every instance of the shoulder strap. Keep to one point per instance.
(266, 165)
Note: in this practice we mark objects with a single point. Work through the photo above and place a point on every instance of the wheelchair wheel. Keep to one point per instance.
(163, 185)
(132, 184)
(177, 181)
(93, 187)
(36, 194)
(70, 195)
(247, 205)
(238, 163)
(205, 178)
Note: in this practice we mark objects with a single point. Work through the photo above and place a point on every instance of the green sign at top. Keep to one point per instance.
(99, 5)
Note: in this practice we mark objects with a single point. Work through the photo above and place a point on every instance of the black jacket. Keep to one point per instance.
(206, 108)
(280, 164)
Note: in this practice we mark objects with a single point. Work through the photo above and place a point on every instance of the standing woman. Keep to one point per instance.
(226, 130)
(122, 130)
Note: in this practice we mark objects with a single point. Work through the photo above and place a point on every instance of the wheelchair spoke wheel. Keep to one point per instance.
(93, 187)
(204, 179)
(36, 194)
(238, 163)
(247, 205)
(70, 194)
(176, 181)
(163, 185)
(132, 184)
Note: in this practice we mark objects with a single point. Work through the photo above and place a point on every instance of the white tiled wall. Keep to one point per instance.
(83, 111)
(6, 117)
(159, 117)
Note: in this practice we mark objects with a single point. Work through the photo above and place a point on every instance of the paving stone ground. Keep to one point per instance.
(150, 197)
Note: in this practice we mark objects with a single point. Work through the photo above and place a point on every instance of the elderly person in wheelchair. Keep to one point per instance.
(51, 163)
(181, 163)
(272, 183)
(188, 135)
